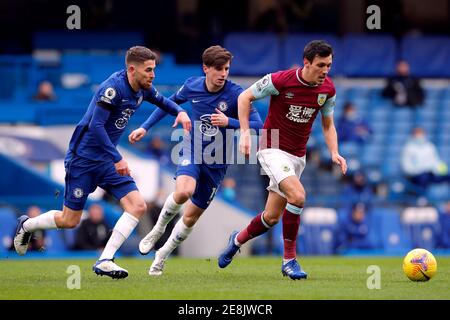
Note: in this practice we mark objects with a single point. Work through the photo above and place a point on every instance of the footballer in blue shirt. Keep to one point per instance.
(93, 160)
(200, 172)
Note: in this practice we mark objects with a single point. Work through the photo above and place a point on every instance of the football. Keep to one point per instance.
(419, 265)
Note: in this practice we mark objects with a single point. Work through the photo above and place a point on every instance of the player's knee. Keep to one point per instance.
(296, 198)
(184, 195)
(271, 219)
(139, 208)
(190, 221)
(70, 223)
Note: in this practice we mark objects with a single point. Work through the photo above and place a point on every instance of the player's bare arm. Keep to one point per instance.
(329, 131)
(244, 105)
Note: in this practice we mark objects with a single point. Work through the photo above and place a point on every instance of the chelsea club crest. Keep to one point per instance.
(222, 106)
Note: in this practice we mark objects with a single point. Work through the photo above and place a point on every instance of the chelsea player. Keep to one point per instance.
(93, 160)
(214, 109)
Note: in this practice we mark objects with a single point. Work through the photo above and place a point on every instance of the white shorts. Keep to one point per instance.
(279, 165)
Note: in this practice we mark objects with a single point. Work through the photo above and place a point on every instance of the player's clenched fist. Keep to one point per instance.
(137, 135)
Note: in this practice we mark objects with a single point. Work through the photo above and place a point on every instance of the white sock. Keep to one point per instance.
(122, 230)
(179, 233)
(236, 242)
(44, 221)
(168, 212)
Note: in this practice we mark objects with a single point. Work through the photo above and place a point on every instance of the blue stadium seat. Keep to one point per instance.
(397, 139)
(446, 94)
(69, 237)
(319, 231)
(389, 227)
(255, 54)
(88, 40)
(378, 115)
(357, 93)
(402, 114)
(8, 221)
(428, 124)
(421, 226)
(391, 167)
(417, 51)
(369, 56)
(401, 127)
(432, 93)
(437, 193)
(293, 45)
(444, 152)
(55, 241)
(427, 114)
(378, 137)
(372, 154)
(373, 238)
(350, 149)
(445, 113)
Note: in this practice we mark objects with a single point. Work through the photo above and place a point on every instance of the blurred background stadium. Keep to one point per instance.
(49, 73)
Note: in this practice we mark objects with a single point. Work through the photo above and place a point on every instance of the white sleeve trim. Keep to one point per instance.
(264, 87)
(328, 107)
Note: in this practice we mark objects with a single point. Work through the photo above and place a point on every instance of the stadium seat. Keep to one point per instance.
(69, 237)
(389, 227)
(369, 56)
(8, 221)
(373, 238)
(378, 117)
(417, 50)
(293, 45)
(358, 95)
(55, 241)
(437, 193)
(319, 230)
(372, 154)
(421, 226)
(255, 54)
(88, 40)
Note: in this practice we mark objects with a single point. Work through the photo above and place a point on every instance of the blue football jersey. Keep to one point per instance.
(114, 103)
(203, 133)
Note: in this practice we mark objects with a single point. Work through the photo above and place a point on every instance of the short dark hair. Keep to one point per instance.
(216, 56)
(139, 54)
(317, 48)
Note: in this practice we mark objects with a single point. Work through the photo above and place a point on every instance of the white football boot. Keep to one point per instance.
(21, 238)
(108, 268)
(157, 266)
(149, 241)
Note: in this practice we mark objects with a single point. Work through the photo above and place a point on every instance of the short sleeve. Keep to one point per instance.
(108, 95)
(264, 87)
(328, 108)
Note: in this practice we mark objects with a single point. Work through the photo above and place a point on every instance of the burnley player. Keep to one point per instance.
(214, 109)
(297, 96)
(93, 160)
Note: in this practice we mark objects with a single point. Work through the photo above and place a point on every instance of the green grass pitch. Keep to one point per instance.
(201, 279)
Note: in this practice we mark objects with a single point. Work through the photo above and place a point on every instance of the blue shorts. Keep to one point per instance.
(83, 176)
(208, 182)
